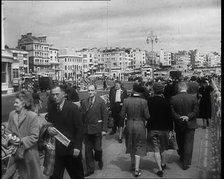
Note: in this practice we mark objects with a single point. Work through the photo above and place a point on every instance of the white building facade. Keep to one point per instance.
(71, 67)
(38, 49)
(164, 58)
(55, 71)
(138, 57)
(183, 62)
(213, 60)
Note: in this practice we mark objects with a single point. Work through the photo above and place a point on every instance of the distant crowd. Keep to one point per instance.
(155, 113)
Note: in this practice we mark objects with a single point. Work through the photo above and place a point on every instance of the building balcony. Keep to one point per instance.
(54, 63)
(7, 56)
(41, 64)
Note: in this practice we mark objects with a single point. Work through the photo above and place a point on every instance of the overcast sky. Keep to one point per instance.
(178, 24)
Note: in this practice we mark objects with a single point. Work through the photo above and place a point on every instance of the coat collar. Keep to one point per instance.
(19, 118)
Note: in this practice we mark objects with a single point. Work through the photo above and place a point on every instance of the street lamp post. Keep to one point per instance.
(152, 38)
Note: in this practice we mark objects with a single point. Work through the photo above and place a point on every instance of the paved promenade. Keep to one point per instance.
(117, 163)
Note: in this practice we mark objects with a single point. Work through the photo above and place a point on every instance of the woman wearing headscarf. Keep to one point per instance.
(137, 113)
(24, 124)
(159, 125)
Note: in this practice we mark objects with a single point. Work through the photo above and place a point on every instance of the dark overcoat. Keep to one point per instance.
(112, 95)
(69, 123)
(205, 106)
(184, 104)
(96, 117)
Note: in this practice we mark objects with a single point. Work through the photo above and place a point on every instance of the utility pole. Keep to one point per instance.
(152, 38)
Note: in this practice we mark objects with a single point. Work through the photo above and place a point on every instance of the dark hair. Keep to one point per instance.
(138, 88)
(149, 83)
(62, 87)
(118, 81)
(26, 97)
(158, 88)
(139, 79)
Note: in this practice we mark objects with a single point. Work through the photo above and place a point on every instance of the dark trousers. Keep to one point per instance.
(93, 143)
(72, 164)
(118, 122)
(185, 142)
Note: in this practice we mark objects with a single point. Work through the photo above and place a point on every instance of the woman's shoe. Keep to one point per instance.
(137, 173)
(160, 173)
(163, 166)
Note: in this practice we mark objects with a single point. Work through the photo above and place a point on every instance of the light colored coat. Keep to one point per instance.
(28, 131)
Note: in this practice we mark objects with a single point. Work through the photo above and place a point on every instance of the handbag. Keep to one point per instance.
(172, 142)
(19, 152)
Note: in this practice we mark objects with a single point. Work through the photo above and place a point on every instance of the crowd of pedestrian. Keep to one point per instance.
(144, 119)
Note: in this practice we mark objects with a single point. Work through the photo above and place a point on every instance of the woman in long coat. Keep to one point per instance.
(205, 106)
(137, 113)
(24, 124)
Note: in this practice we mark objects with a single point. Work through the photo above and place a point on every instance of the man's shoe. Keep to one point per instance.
(88, 173)
(100, 164)
(137, 173)
(185, 167)
(120, 140)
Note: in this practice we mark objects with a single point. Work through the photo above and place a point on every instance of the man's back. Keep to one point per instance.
(184, 104)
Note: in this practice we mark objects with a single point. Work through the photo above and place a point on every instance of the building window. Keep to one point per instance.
(3, 72)
(15, 73)
(65, 67)
(15, 54)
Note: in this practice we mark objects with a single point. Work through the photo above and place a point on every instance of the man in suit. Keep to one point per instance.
(116, 96)
(67, 119)
(95, 126)
(185, 110)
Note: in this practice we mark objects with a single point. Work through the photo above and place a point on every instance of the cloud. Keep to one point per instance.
(124, 22)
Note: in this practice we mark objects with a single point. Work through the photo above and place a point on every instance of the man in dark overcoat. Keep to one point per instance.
(169, 89)
(116, 96)
(67, 119)
(95, 126)
(185, 109)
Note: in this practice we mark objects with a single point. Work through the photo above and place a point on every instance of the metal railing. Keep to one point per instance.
(215, 130)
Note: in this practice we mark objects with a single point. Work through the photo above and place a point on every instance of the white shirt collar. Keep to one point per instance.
(62, 104)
